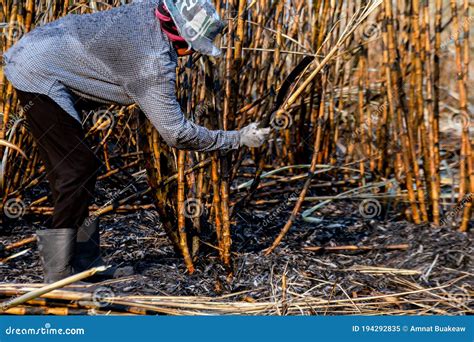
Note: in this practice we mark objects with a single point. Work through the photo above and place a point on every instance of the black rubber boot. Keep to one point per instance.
(56, 249)
(88, 253)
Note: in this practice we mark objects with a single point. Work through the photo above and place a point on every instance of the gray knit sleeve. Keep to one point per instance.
(155, 95)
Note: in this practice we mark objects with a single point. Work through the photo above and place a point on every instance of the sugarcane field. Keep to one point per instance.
(237, 157)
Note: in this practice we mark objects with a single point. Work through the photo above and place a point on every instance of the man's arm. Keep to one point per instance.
(156, 97)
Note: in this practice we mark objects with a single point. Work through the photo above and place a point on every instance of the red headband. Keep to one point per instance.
(167, 22)
(161, 16)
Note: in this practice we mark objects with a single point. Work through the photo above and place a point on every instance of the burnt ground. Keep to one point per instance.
(442, 256)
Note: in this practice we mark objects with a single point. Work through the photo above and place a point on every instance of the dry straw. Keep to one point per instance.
(368, 105)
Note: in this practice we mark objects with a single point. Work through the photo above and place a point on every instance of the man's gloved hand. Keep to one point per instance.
(252, 136)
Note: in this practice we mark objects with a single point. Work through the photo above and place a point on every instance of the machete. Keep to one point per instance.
(265, 122)
(285, 87)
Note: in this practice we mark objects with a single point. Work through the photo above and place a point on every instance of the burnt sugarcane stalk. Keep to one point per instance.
(394, 86)
(467, 157)
(433, 131)
(16, 245)
(182, 210)
(264, 42)
(225, 159)
(51, 287)
(304, 190)
(355, 248)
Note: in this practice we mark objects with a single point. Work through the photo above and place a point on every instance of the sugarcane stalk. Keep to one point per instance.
(304, 190)
(183, 240)
(468, 121)
(418, 113)
(404, 246)
(51, 287)
(394, 86)
(433, 137)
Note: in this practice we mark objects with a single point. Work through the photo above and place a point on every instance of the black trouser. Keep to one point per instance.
(71, 166)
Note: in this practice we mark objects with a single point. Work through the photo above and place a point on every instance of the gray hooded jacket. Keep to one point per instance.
(116, 56)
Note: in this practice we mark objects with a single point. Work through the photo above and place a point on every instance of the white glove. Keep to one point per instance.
(252, 136)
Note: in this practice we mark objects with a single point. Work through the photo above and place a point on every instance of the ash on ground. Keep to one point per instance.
(438, 256)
